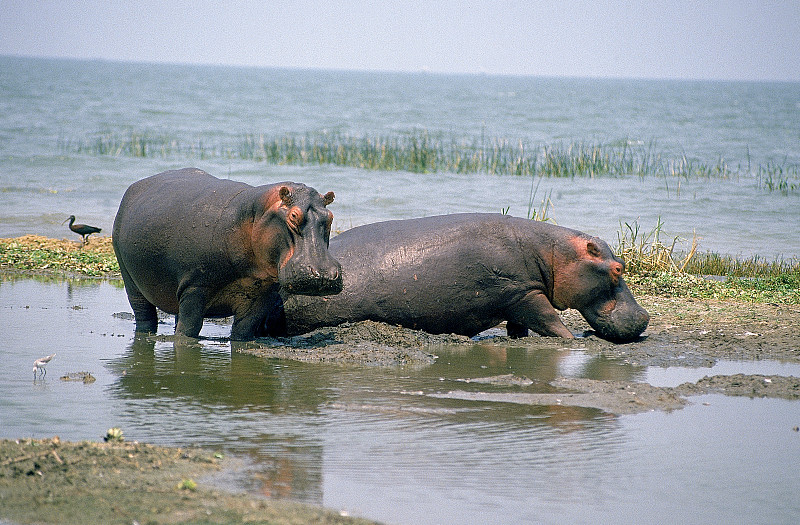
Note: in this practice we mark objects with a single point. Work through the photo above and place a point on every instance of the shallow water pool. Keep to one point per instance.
(379, 442)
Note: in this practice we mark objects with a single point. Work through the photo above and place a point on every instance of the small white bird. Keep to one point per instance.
(39, 365)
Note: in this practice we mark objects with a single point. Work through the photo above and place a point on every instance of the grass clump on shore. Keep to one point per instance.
(36, 254)
(423, 152)
(657, 268)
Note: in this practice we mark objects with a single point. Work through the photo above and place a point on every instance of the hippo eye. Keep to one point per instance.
(294, 219)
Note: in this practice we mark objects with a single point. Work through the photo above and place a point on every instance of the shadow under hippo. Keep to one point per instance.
(465, 273)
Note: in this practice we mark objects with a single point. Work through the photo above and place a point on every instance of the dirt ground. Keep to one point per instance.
(50, 481)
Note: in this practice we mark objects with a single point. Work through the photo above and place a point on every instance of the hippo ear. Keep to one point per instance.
(593, 249)
(328, 198)
(286, 195)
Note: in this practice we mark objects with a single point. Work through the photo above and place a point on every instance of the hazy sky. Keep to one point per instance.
(736, 39)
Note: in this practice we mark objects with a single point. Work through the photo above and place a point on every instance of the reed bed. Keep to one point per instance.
(646, 252)
(424, 152)
(709, 263)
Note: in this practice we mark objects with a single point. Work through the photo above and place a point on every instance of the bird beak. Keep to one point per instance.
(65, 221)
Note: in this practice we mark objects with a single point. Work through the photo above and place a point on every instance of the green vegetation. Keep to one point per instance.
(37, 254)
(424, 152)
(657, 268)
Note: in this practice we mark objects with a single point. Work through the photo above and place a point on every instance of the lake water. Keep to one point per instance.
(378, 441)
(383, 442)
(47, 104)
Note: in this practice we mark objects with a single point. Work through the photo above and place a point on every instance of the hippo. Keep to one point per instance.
(465, 273)
(197, 246)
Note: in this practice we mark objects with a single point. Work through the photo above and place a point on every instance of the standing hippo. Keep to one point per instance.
(465, 273)
(197, 246)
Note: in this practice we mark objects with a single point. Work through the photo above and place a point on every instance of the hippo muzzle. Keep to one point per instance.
(311, 274)
(620, 319)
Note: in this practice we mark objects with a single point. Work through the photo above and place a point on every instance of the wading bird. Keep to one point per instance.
(39, 365)
(84, 230)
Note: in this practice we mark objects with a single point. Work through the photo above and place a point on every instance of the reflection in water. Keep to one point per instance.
(206, 395)
(208, 375)
(284, 416)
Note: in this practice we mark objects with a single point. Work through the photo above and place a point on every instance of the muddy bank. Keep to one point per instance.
(365, 342)
(616, 397)
(50, 481)
(682, 332)
(626, 397)
(754, 385)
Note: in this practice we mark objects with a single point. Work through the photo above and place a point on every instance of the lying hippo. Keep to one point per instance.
(197, 246)
(468, 272)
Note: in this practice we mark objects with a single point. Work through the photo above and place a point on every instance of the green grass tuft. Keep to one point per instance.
(657, 268)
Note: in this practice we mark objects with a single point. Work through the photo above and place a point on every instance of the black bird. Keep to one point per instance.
(84, 230)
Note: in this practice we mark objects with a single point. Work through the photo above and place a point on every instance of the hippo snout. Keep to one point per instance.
(623, 325)
(308, 279)
(620, 320)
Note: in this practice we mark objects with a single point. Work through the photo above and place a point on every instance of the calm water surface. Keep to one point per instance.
(375, 442)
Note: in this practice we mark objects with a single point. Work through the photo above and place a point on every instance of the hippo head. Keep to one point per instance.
(591, 282)
(305, 266)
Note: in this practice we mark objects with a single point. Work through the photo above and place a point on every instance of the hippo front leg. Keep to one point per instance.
(534, 311)
(191, 307)
(248, 321)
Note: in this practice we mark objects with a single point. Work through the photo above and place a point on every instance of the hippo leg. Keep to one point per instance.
(516, 330)
(191, 307)
(534, 311)
(143, 310)
(249, 322)
(245, 328)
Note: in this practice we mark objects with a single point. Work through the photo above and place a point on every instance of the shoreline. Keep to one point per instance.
(767, 283)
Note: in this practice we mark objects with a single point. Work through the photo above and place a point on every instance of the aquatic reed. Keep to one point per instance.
(424, 152)
(644, 252)
(710, 263)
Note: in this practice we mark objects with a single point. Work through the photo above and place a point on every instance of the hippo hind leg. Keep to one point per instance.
(143, 310)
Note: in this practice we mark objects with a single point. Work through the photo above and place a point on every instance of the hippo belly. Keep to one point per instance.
(197, 246)
(464, 273)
